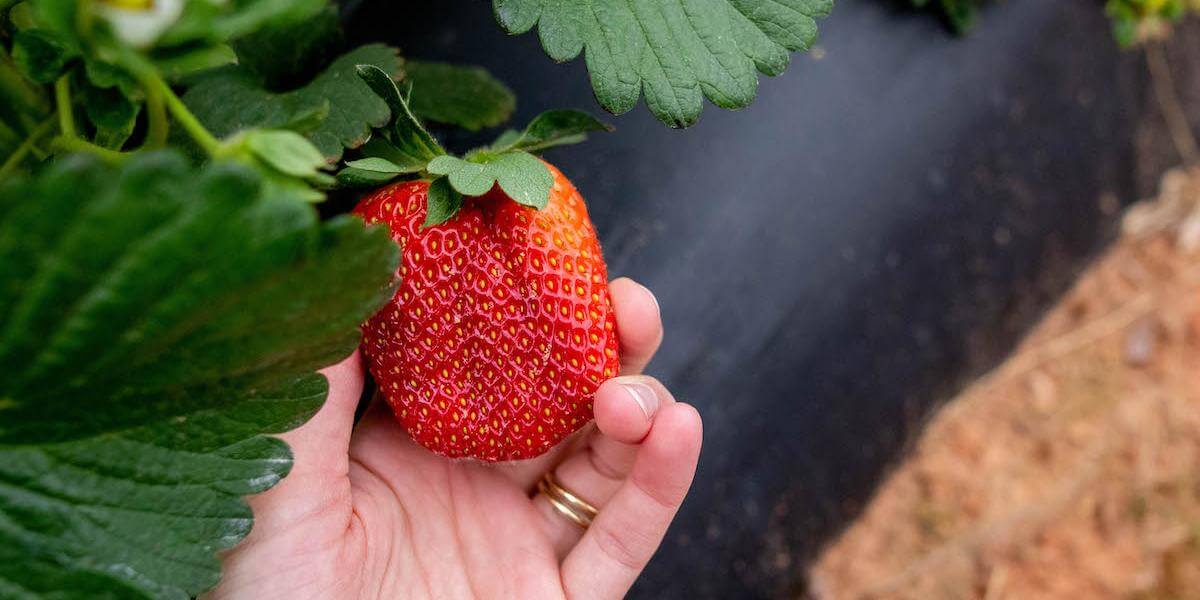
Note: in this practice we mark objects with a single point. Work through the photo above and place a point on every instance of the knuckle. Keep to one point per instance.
(622, 547)
(603, 466)
(667, 500)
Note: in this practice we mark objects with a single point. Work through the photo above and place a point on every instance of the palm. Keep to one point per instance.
(368, 513)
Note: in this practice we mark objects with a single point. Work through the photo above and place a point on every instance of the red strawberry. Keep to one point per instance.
(502, 328)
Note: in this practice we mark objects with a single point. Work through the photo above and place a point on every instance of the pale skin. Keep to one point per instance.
(367, 513)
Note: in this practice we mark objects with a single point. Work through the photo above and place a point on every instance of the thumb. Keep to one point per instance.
(320, 450)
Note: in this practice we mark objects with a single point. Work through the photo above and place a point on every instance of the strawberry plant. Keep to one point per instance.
(168, 288)
(1131, 19)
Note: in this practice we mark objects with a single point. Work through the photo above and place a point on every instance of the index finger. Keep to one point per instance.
(630, 527)
(639, 324)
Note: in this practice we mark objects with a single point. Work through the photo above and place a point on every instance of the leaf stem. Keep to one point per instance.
(74, 144)
(26, 147)
(66, 112)
(156, 114)
(180, 112)
(84, 17)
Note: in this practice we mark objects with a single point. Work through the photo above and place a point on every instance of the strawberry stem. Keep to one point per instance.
(76, 144)
(66, 112)
(156, 114)
(180, 112)
(68, 139)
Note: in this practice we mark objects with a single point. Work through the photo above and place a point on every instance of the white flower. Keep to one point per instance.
(140, 26)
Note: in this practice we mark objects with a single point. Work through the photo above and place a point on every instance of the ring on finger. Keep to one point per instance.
(566, 502)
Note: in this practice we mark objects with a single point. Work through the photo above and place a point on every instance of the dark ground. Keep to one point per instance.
(880, 226)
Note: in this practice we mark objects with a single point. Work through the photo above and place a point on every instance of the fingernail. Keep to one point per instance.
(645, 397)
(652, 298)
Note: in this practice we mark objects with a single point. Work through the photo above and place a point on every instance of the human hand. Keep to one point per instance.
(367, 513)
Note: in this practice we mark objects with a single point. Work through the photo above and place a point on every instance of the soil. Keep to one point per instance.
(1072, 470)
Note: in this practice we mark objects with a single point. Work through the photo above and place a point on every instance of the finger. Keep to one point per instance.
(625, 409)
(322, 442)
(320, 455)
(639, 333)
(316, 492)
(629, 529)
(639, 324)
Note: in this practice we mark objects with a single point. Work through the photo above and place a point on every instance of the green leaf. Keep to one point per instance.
(282, 54)
(442, 202)
(60, 16)
(107, 75)
(20, 16)
(233, 99)
(370, 171)
(155, 321)
(361, 178)
(41, 54)
(468, 97)
(409, 145)
(250, 16)
(377, 165)
(113, 114)
(521, 176)
(549, 129)
(676, 52)
(286, 151)
(177, 65)
(214, 21)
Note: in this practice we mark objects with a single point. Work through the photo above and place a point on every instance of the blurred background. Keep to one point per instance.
(905, 216)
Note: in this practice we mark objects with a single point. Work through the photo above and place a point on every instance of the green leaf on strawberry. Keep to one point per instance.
(407, 147)
(403, 147)
(468, 97)
(523, 177)
(443, 202)
(156, 320)
(233, 99)
(370, 172)
(676, 53)
(508, 162)
(412, 143)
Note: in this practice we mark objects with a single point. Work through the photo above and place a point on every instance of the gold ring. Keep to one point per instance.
(578, 510)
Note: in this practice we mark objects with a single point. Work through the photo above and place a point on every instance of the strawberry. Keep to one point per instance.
(502, 328)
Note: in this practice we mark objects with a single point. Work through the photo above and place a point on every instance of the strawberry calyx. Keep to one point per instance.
(405, 149)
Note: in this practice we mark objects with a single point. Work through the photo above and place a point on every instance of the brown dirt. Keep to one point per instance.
(1072, 470)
